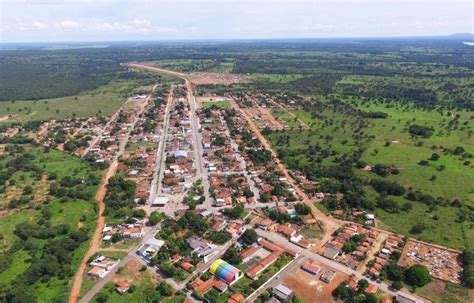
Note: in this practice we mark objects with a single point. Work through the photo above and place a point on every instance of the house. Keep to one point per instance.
(98, 272)
(236, 298)
(122, 286)
(187, 266)
(328, 276)
(160, 201)
(149, 249)
(331, 252)
(405, 298)
(265, 224)
(286, 230)
(133, 232)
(310, 267)
(200, 248)
(283, 293)
(372, 289)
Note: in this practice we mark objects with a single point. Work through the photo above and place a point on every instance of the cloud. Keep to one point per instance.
(39, 25)
(134, 26)
(69, 24)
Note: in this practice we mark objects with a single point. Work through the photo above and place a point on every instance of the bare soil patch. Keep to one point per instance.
(310, 288)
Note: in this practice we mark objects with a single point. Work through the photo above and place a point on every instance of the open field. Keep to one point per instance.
(102, 101)
(310, 288)
(444, 292)
(76, 214)
(387, 141)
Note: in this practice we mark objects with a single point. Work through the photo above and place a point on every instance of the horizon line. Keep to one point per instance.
(447, 36)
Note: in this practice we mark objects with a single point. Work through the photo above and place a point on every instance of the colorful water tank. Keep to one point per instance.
(225, 271)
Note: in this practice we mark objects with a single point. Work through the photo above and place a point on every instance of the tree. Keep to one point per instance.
(102, 297)
(139, 213)
(155, 218)
(397, 285)
(344, 292)
(249, 236)
(164, 289)
(417, 275)
(116, 237)
(394, 272)
(434, 157)
(27, 190)
(232, 255)
(417, 228)
(362, 285)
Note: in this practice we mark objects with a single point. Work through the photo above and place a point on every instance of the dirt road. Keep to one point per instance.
(94, 244)
(329, 224)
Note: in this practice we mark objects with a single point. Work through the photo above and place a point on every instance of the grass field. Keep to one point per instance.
(453, 178)
(102, 101)
(443, 292)
(218, 104)
(76, 213)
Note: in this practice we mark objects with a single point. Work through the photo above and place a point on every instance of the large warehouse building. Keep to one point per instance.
(224, 271)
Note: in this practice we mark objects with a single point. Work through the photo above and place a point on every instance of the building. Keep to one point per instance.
(201, 248)
(283, 293)
(98, 272)
(331, 253)
(236, 298)
(404, 298)
(160, 201)
(122, 286)
(310, 267)
(328, 276)
(149, 249)
(224, 271)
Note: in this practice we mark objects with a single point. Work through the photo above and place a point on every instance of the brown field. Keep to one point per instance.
(199, 78)
(263, 118)
(211, 98)
(310, 288)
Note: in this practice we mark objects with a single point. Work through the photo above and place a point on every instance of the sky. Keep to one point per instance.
(120, 20)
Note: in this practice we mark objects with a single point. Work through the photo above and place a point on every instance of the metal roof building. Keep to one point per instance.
(225, 271)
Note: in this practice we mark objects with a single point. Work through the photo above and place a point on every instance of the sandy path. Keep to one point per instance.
(94, 244)
(329, 224)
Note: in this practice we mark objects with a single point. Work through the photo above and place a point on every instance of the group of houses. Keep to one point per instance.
(362, 240)
(179, 146)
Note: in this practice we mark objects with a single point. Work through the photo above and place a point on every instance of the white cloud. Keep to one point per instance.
(69, 24)
(40, 25)
(135, 26)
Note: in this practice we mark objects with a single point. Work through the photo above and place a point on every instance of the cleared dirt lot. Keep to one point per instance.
(310, 288)
(199, 78)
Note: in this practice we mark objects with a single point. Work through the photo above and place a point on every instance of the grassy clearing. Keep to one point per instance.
(143, 283)
(102, 101)
(75, 213)
(387, 141)
(285, 118)
(216, 104)
(443, 292)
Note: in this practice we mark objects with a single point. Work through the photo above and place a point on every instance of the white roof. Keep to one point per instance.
(283, 289)
(155, 242)
(161, 200)
(180, 153)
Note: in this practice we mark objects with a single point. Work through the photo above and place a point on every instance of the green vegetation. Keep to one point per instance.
(342, 141)
(216, 104)
(141, 291)
(104, 100)
(44, 241)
